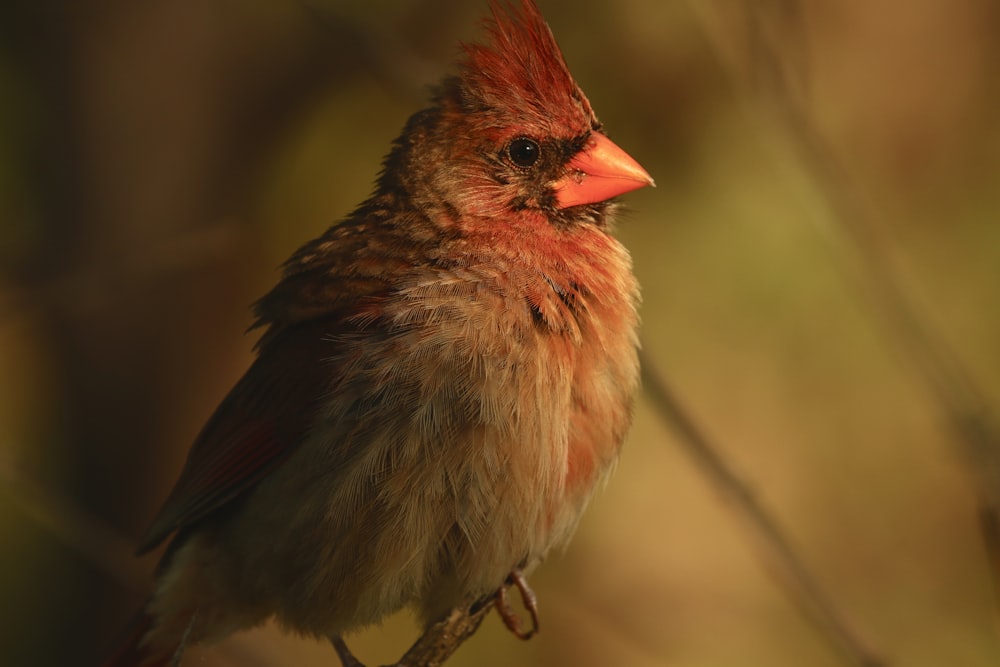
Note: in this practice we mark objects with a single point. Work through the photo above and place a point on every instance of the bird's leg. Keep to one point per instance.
(528, 599)
(175, 661)
(347, 658)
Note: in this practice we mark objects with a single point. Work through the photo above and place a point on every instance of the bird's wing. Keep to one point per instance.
(262, 420)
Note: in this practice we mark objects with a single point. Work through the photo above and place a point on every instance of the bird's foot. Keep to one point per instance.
(528, 599)
(175, 659)
(347, 658)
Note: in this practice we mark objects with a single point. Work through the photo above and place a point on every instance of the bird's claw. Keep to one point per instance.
(528, 599)
(347, 658)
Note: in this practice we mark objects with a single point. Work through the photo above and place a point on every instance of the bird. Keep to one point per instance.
(441, 381)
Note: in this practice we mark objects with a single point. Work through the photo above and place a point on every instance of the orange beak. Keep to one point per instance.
(599, 172)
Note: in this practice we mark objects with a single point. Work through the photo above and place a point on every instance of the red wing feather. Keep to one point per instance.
(262, 420)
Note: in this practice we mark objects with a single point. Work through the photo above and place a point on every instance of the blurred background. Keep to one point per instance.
(159, 160)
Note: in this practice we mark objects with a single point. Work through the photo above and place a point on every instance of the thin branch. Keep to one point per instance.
(443, 638)
(773, 545)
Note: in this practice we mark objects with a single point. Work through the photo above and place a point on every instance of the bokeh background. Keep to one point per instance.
(159, 160)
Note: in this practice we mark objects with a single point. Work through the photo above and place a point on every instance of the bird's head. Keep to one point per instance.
(512, 131)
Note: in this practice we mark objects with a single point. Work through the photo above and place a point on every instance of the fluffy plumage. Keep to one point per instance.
(442, 379)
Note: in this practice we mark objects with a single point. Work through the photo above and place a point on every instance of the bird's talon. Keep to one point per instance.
(347, 658)
(528, 599)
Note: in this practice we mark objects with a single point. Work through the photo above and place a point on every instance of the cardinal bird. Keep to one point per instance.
(442, 379)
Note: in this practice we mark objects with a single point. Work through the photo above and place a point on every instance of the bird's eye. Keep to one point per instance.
(523, 152)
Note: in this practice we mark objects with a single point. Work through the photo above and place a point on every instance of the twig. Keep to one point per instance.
(771, 541)
(443, 638)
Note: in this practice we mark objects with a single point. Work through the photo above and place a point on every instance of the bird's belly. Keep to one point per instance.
(475, 458)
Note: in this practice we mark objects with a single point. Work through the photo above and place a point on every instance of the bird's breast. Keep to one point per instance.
(467, 420)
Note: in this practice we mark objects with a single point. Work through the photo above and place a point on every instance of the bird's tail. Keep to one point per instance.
(132, 652)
